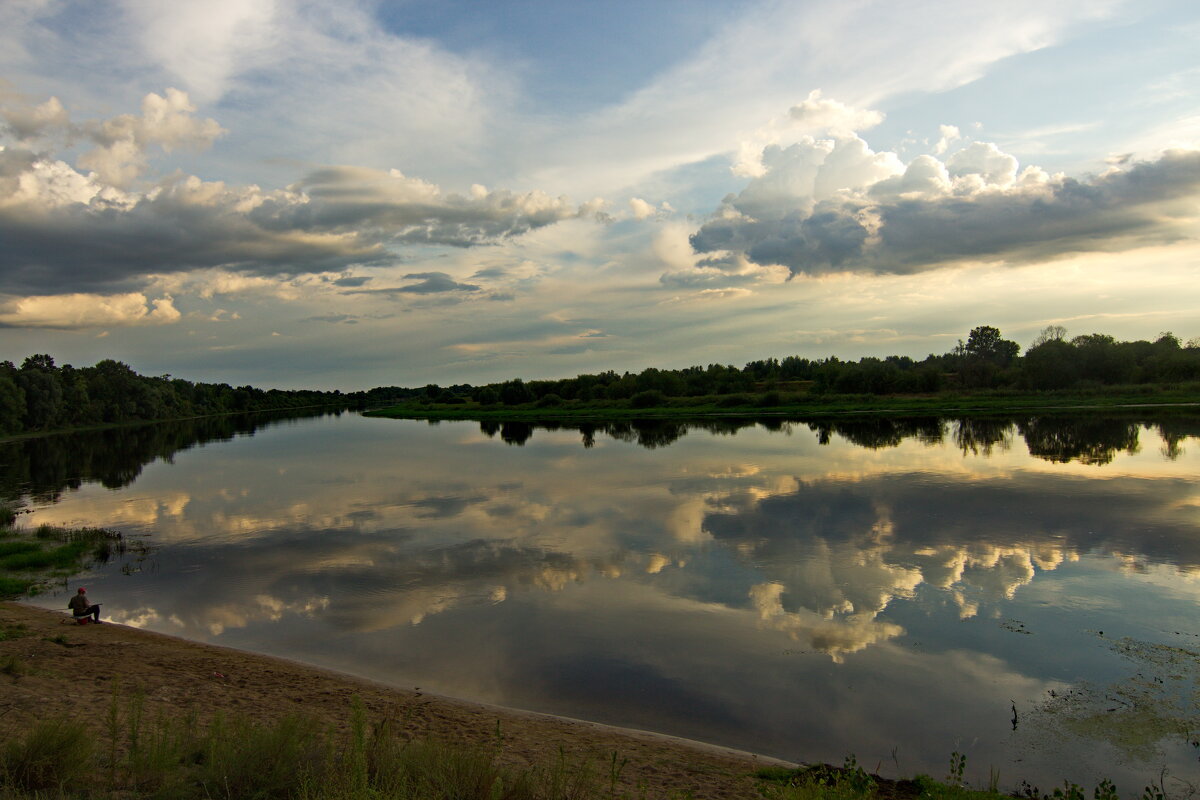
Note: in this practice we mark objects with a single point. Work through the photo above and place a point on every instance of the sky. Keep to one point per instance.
(341, 195)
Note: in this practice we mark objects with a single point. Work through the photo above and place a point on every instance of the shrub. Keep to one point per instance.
(53, 755)
(771, 398)
(651, 398)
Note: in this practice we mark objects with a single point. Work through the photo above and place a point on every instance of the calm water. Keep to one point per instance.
(1022, 591)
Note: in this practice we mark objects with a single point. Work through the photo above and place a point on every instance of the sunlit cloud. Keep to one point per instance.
(74, 311)
(832, 205)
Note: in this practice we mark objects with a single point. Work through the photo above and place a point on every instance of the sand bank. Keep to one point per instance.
(77, 675)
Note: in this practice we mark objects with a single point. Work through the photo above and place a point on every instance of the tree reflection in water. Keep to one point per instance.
(41, 468)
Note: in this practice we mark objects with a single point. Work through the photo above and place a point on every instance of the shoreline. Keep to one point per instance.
(77, 671)
(961, 407)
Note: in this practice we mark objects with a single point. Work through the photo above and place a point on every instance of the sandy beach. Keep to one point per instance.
(73, 670)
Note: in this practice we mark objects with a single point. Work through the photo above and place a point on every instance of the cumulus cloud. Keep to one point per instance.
(65, 230)
(27, 120)
(87, 311)
(644, 210)
(949, 134)
(830, 205)
(120, 144)
(166, 121)
(816, 116)
(827, 114)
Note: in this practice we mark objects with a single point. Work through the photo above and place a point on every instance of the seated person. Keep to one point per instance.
(82, 608)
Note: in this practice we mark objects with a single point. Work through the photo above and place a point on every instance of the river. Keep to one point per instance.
(1019, 590)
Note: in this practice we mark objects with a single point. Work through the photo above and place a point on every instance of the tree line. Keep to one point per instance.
(985, 360)
(41, 396)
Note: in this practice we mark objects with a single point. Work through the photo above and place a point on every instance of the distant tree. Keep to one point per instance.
(515, 392)
(12, 405)
(1050, 333)
(485, 396)
(1103, 360)
(986, 343)
(38, 378)
(1053, 364)
(1168, 340)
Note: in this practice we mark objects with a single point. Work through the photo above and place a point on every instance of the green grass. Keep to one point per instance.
(13, 667)
(298, 758)
(14, 630)
(54, 755)
(28, 558)
(852, 782)
(294, 757)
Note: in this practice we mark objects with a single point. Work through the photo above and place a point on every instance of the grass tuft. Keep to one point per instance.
(55, 754)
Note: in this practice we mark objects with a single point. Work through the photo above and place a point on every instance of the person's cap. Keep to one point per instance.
(82, 590)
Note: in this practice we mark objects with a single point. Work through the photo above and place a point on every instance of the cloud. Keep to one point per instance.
(348, 319)
(434, 283)
(817, 113)
(644, 210)
(949, 134)
(834, 205)
(167, 121)
(87, 311)
(427, 283)
(412, 211)
(62, 228)
(203, 44)
(490, 273)
(353, 281)
(27, 121)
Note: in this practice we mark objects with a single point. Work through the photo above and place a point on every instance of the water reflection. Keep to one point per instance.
(42, 467)
(805, 589)
(1088, 439)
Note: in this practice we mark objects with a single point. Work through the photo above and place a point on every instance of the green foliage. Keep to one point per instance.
(13, 631)
(246, 759)
(42, 396)
(651, 398)
(29, 559)
(958, 763)
(55, 754)
(770, 399)
(986, 362)
(294, 757)
(515, 392)
(13, 667)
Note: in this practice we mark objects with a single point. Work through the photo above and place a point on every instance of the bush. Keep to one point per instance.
(549, 401)
(734, 400)
(651, 398)
(244, 759)
(486, 396)
(53, 755)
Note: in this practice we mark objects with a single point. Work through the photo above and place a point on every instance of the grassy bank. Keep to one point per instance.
(31, 557)
(807, 404)
(136, 756)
